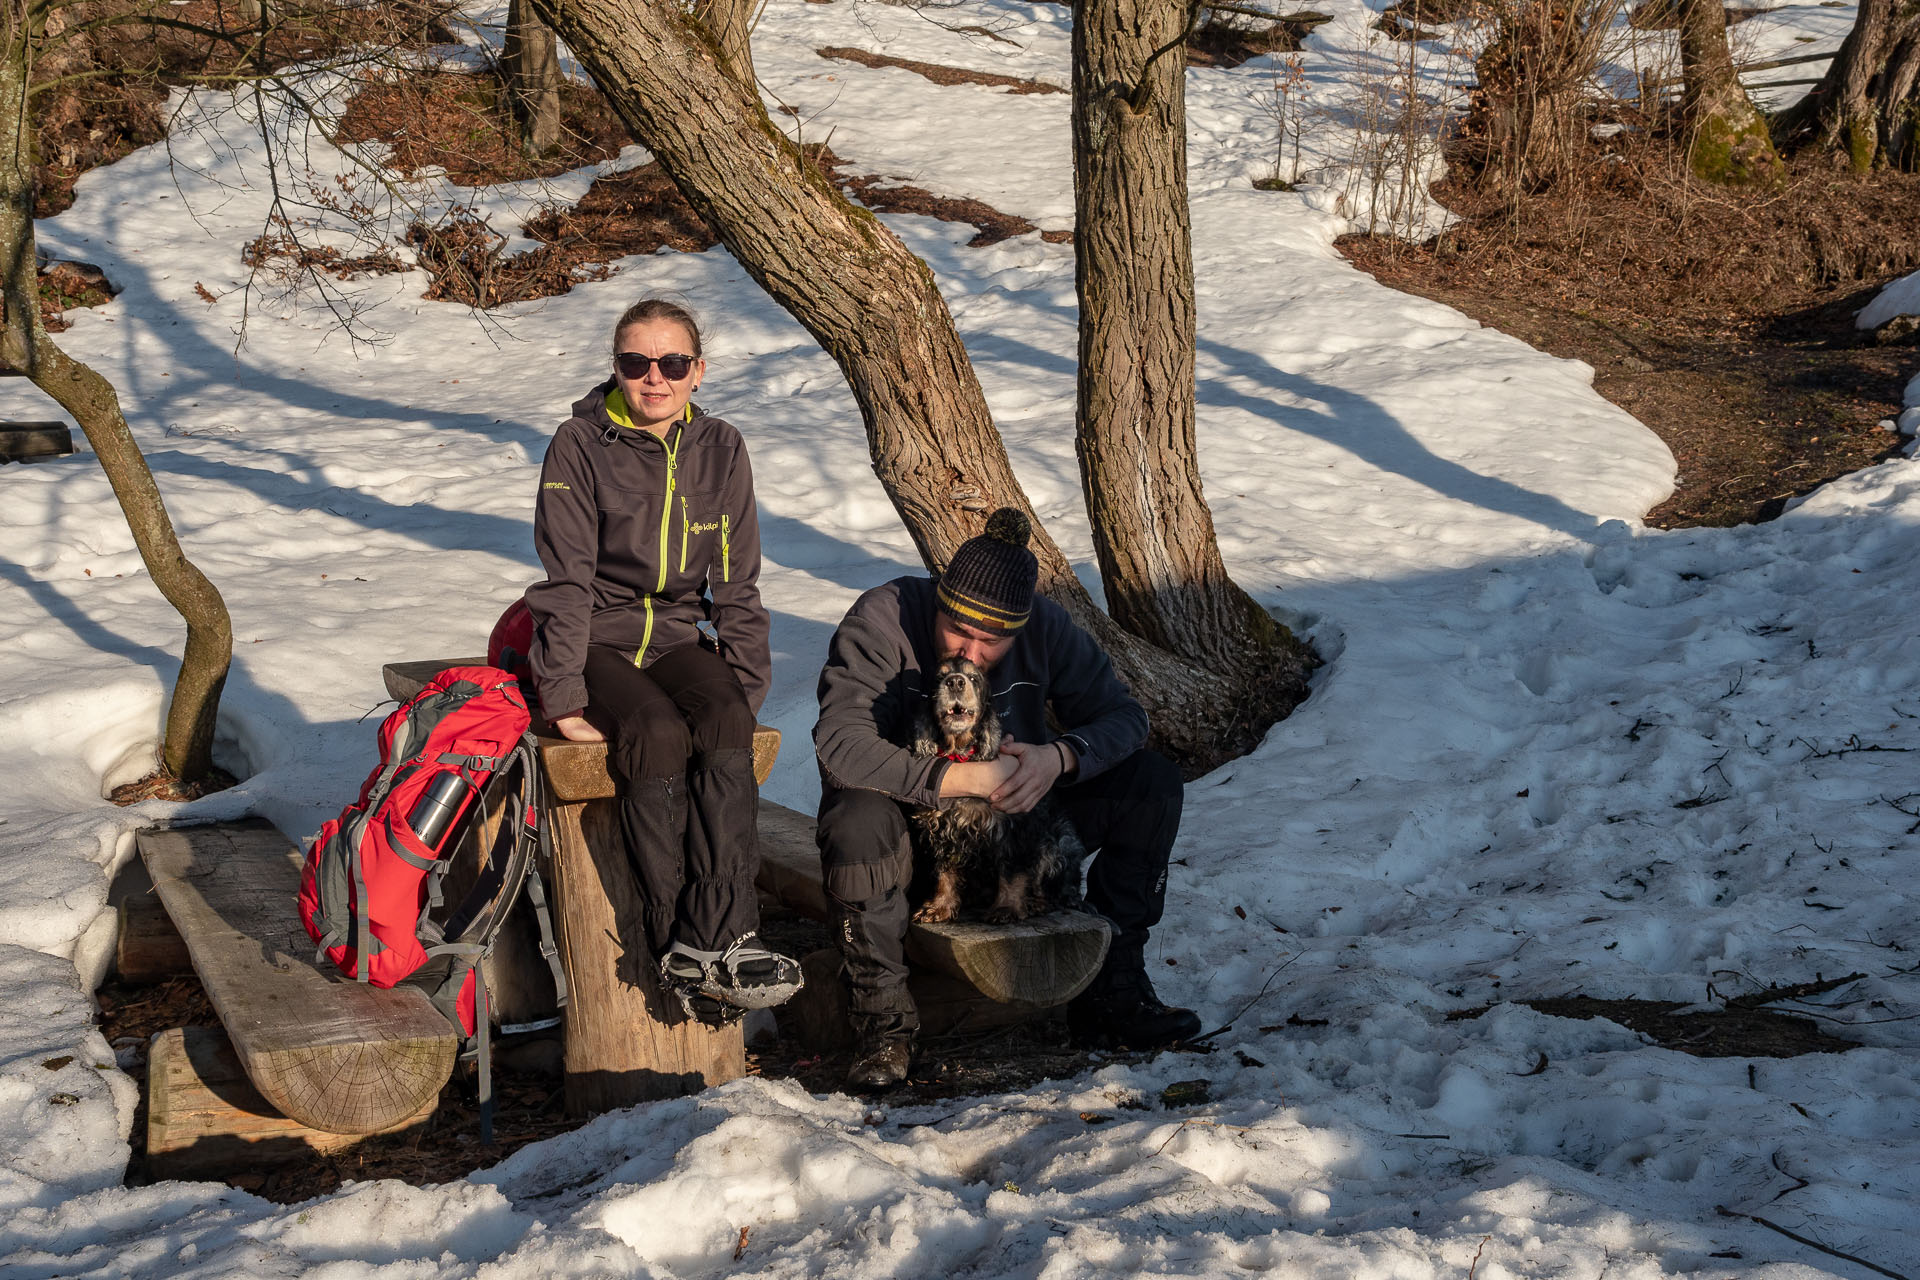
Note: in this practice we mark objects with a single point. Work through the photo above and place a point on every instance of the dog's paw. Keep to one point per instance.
(1004, 915)
(933, 913)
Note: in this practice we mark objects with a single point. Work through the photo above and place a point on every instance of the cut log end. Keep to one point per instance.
(354, 1088)
(1046, 960)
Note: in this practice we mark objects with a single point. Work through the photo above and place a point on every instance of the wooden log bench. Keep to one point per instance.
(964, 975)
(325, 1053)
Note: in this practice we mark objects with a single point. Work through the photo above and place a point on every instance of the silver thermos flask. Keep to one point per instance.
(436, 809)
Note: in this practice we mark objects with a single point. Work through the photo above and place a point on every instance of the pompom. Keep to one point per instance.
(1009, 526)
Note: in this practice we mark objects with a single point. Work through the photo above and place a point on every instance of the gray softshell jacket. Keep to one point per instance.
(644, 538)
(874, 682)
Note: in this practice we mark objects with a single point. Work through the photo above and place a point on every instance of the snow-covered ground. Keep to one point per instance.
(1552, 752)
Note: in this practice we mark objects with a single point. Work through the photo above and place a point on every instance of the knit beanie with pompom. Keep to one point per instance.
(989, 582)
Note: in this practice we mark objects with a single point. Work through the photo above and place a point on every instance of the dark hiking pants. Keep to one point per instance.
(682, 748)
(1127, 817)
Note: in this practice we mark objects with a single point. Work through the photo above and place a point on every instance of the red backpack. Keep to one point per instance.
(371, 889)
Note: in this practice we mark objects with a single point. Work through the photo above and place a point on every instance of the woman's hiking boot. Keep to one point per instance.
(744, 976)
(881, 1065)
(1121, 1011)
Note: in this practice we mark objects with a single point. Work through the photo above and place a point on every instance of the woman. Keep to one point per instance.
(649, 627)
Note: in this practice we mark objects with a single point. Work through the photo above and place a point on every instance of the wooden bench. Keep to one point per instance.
(327, 1054)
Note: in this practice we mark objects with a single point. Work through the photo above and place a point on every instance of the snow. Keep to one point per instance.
(1900, 298)
(1552, 751)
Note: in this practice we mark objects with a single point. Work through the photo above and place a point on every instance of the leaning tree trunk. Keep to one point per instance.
(730, 25)
(530, 57)
(187, 751)
(875, 308)
(1864, 106)
(1134, 430)
(1728, 140)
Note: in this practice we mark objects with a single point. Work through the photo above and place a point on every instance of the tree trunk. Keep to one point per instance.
(730, 24)
(187, 750)
(1897, 105)
(876, 310)
(1728, 140)
(531, 59)
(1134, 430)
(1864, 107)
(1524, 118)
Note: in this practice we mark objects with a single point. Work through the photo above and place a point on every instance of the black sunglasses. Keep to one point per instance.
(634, 365)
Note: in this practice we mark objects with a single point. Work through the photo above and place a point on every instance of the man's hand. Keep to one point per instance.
(979, 778)
(1039, 767)
(576, 729)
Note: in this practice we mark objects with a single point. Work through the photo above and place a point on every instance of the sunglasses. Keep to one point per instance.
(633, 365)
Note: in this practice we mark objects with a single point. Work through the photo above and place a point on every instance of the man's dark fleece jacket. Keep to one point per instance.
(875, 681)
(643, 538)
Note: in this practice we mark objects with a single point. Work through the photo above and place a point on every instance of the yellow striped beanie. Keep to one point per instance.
(989, 581)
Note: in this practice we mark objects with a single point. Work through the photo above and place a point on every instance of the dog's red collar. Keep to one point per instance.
(957, 757)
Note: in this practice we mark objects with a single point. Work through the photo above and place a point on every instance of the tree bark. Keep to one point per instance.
(875, 308)
(730, 25)
(1524, 117)
(1865, 106)
(531, 58)
(1728, 141)
(187, 750)
(1134, 429)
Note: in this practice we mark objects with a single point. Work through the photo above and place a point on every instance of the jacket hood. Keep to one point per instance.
(592, 407)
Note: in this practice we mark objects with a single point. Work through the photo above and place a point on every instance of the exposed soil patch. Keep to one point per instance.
(1227, 40)
(164, 786)
(937, 73)
(633, 211)
(1722, 320)
(894, 195)
(460, 122)
(1735, 1032)
(112, 95)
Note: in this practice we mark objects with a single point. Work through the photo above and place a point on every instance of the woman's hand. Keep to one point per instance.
(574, 728)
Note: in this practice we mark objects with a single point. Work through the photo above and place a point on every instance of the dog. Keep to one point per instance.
(1018, 864)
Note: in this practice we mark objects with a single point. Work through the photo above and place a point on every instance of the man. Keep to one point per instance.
(1123, 799)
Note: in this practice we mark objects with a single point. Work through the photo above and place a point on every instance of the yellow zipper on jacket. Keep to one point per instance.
(666, 519)
(683, 533)
(726, 550)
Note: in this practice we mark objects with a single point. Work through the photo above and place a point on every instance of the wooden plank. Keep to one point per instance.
(205, 1118)
(34, 441)
(1044, 961)
(575, 770)
(149, 949)
(626, 1041)
(328, 1053)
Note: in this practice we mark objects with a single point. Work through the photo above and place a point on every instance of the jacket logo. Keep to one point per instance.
(557, 484)
(707, 526)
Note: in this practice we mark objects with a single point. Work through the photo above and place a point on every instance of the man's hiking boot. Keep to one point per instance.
(882, 1066)
(1121, 1011)
(744, 976)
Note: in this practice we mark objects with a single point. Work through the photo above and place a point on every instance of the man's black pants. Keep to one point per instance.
(682, 746)
(1127, 817)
